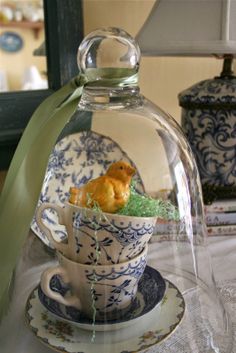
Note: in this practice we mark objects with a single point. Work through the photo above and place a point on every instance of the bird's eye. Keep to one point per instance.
(121, 167)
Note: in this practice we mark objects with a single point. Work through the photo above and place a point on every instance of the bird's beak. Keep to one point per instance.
(130, 170)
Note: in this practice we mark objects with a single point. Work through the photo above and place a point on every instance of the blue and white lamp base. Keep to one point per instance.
(209, 122)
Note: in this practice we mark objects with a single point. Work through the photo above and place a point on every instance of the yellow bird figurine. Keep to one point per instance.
(110, 191)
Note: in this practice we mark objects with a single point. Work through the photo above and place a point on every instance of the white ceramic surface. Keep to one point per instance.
(96, 290)
(97, 238)
(148, 332)
(76, 159)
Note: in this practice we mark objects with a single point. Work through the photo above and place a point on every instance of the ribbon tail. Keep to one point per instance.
(21, 192)
(37, 120)
(6, 296)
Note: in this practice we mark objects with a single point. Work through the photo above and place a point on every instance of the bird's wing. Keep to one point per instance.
(99, 190)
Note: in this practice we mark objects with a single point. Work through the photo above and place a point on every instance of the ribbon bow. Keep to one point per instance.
(24, 179)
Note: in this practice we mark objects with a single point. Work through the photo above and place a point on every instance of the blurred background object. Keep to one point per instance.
(3, 81)
(200, 29)
(41, 50)
(21, 22)
(32, 79)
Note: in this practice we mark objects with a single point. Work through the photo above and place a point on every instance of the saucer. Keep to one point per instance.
(149, 331)
(151, 290)
(76, 159)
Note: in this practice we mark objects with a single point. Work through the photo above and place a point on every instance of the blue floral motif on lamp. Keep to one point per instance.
(209, 122)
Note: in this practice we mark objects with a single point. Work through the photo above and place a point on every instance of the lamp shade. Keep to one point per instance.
(189, 28)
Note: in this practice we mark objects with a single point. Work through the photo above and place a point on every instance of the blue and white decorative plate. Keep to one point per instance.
(151, 290)
(11, 42)
(147, 332)
(76, 159)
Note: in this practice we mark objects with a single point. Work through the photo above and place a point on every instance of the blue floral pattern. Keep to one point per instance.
(101, 235)
(75, 160)
(212, 135)
(217, 91)
(209, 122)
(116, 293)
(125, 234)
(151, 289)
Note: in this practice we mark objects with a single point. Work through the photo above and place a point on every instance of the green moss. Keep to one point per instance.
(145, 206)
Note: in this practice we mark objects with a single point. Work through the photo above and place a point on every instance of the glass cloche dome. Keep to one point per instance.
(121, 205)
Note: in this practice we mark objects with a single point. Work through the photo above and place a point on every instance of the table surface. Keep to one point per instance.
(15, 337)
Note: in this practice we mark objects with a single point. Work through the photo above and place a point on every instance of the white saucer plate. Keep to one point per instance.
(75, 159)
(149, 331)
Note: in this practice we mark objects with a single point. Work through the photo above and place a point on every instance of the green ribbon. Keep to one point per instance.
(119, 77)
(24, 179)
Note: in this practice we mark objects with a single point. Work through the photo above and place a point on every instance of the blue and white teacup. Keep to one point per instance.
(103, 290)
(100, 238)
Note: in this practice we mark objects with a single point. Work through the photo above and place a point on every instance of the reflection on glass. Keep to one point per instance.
(22, 51)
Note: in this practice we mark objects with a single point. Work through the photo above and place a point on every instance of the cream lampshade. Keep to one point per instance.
(189, 27)
(202, 28)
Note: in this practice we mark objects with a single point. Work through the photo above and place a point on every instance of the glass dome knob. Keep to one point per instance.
(105, 50)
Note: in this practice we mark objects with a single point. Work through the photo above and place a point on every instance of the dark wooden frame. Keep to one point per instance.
(63, 33)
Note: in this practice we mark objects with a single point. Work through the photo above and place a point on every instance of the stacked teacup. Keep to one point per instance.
(102, 259)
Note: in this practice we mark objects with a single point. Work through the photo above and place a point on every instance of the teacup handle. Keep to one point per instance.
(45, 285)
(58, 245)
